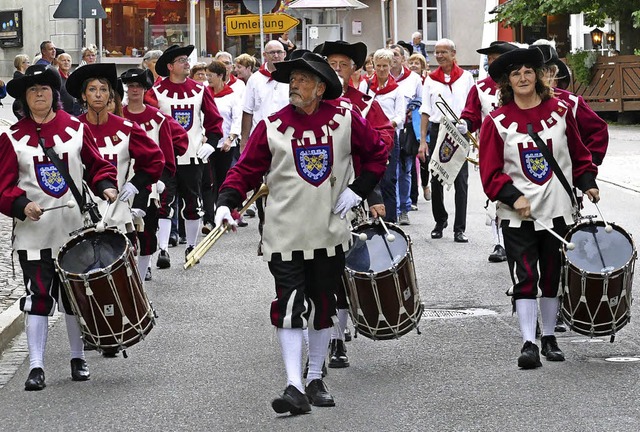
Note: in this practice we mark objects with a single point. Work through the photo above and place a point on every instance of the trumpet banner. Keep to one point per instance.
(449, 154)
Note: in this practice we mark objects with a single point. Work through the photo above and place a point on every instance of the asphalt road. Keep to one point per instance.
(213, 363)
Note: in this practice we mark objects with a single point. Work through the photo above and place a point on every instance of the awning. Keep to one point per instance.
(327, 4)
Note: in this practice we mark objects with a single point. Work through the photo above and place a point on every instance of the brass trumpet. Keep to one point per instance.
(201, 248)
(445, 109)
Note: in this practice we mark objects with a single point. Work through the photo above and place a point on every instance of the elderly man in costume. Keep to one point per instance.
(307, 148)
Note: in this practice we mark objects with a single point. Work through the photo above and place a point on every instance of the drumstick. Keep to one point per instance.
(607, 228)
(390, 237)
(361, 236)
(69, 204)
(102, 225)
(569, 245)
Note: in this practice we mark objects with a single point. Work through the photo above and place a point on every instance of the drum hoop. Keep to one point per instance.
(400, 263)
(65, 248)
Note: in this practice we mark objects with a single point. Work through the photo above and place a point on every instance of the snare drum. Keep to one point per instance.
(381, 284)
(100, 276)
(597, 278)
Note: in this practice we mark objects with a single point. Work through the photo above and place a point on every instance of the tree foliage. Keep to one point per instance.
(529, 12)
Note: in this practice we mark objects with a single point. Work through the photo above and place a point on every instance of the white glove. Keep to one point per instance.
(223, 214)
(205, 151)
(160, 186)
(128, 191)
(138, 213)
(462, 127)
(347, 200)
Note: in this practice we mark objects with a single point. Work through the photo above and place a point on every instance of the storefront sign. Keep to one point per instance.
(242, 25)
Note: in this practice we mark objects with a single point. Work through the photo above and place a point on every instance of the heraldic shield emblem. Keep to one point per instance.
(534, 165)
(50, 179)
(184, 116)
(313, 163)
(447, 149)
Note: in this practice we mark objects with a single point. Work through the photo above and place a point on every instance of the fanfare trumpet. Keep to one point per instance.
(201, 248)
(446, 110)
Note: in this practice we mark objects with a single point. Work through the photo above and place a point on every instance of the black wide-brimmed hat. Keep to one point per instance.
(355, 51)
(551, 58)
(169, 55)
(407, 46)
(497, 47)
(91, 71)
(59, 51)
(36, 74)
(315, 64)
(144, 77)
(518, 57)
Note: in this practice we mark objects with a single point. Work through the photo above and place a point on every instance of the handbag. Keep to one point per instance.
(409, 144)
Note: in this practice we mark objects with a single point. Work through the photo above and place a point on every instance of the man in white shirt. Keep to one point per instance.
(454, 84)
(263, 95)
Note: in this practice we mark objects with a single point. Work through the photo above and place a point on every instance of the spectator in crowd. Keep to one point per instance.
(245, 65)
(287, 44)
(89, 55)
(47, 53)
(149, 62)
(69, 103)
(418, 46)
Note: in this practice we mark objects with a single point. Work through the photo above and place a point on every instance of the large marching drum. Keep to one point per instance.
(384, 302)
(99, 273)
(597, 278)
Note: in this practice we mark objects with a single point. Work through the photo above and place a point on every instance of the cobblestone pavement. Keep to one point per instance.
(11, 288)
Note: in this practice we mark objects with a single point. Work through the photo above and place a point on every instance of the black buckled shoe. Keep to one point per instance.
(338, 357)
(173, 240)
(35, 380)
(79, 370)
(292, 400)
(498, 254)
(460, 237)
(318, 394)
(437, 230)
(164, 260)
(550, 348)
(529, 357)
(187, 251)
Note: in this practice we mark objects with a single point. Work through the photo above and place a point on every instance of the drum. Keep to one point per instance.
(100, 276)
(380, 279)
(596, 279)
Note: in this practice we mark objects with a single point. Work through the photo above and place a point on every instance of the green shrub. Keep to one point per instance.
(581, 63)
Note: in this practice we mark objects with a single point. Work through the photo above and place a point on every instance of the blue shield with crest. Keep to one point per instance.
(184, 116)
(447, 149)
(50, 179)
(534, 166)
(313, 163)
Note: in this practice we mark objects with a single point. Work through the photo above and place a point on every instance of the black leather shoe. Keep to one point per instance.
(529, 356)
(182, 240)
(79, 370)
(292, 400)
(498, 254)
(173, 240)
(338, 357)
(187, 251)
(147, 275)
(35, 381)
(459, 237)
(550, 348)
(437, 230)
(347, 335)
(318, 394)
(164, 260)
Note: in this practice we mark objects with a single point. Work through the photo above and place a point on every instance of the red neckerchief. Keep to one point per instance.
(263, 70)
(404, 75)
(232, 79)
(63, 75)
(438, 75)
(225, 91)
(388, 88)
(355, 85)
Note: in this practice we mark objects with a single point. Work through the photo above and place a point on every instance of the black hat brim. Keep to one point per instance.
(91, 71)
(497, 48)
(169, 55)
(504, 64)
(36, 74)
(356, 51)
(312, 63)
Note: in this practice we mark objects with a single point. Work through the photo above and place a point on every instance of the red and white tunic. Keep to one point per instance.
(26, 174)
(483, 98)
(309, 163)
(512, 165)
(192, 106)
(119, 141)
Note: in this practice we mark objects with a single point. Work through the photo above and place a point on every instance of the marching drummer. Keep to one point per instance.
(516, 173)
(307, 149)
(30, 183)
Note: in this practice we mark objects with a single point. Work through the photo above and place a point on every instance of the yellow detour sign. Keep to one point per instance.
(242, 25)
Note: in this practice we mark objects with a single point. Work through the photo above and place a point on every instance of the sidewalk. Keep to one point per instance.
(621, 167)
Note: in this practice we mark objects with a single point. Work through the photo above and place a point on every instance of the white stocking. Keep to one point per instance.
(318, 349)
(527, 310)
(291, 347)
(549, 313)
(191, 228)
(76, 344)
(37, 327)
(164, 232)
(143, 265)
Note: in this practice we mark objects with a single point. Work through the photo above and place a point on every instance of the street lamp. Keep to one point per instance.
(596, 38)
(611, 39)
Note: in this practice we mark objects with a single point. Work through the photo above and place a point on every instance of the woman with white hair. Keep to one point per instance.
(149, 62)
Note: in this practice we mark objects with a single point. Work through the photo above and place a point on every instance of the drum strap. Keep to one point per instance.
(84, 204)
(553, 163)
